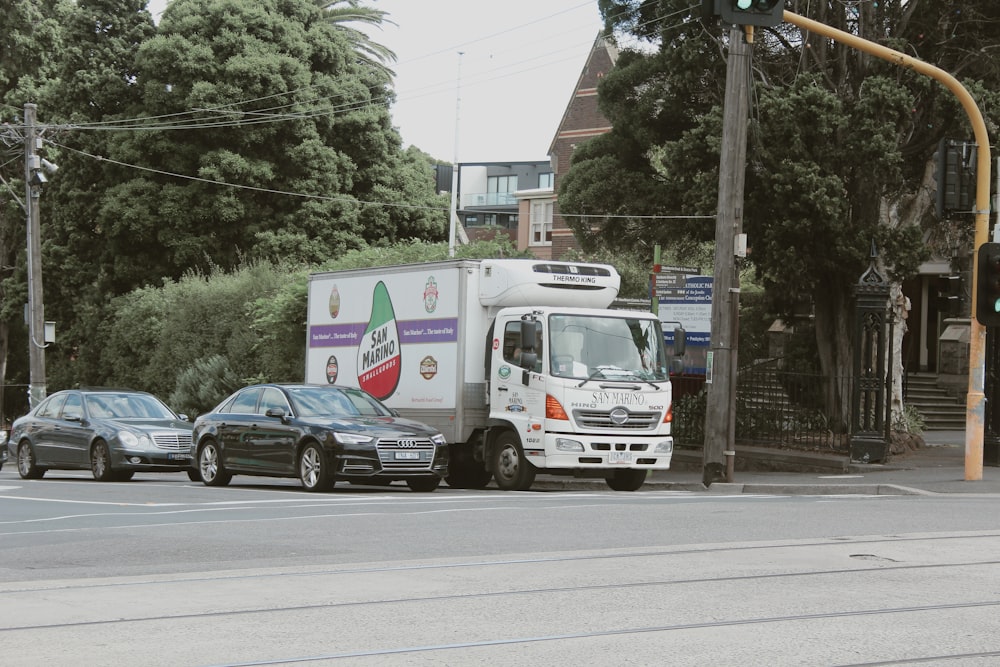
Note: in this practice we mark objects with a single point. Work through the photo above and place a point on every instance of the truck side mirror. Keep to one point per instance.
(529, 334)
(680, 341)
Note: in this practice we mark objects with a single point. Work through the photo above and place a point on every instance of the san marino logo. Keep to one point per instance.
(334, 302)
(504, 372)
(379, 355)
(431, 295)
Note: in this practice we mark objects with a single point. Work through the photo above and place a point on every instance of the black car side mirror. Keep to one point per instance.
(275, 412)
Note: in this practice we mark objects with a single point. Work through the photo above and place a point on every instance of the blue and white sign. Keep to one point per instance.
(691, 306)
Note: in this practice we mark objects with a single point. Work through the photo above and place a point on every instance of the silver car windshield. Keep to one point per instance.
(607, 348)
(126, 406)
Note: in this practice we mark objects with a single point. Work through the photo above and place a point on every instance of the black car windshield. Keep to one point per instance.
(126, 406)
(335, 402)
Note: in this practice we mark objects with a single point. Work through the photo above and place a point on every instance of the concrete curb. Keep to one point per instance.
(818, 489)
(735, 488)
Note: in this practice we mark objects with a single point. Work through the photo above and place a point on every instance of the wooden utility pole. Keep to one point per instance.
(33, 180)
(720, 411)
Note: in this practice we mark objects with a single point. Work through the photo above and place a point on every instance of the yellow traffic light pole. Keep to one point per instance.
(975, 411)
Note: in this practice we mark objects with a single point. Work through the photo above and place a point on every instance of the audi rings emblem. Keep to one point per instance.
(619, 416)
(406, 443)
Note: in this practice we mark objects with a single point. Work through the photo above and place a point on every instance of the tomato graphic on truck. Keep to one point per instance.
(379, 353)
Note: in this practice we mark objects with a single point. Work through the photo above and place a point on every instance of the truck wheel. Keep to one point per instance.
(512, 471)
(626, 480)
(468, 475)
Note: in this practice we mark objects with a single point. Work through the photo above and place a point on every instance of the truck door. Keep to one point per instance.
(518, 387)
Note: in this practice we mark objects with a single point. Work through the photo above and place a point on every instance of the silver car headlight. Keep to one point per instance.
(352, 438)
(130, 439)
(438, 439)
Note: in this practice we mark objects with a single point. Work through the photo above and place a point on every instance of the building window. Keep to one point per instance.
(489, 218)
(472, 219)
(546, 180)
(501, 184)
(500, 190)
(541, 223)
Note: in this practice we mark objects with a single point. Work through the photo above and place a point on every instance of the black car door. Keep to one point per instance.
(272, 439)
(235, 427)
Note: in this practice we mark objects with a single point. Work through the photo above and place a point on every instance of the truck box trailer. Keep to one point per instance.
(520, 363)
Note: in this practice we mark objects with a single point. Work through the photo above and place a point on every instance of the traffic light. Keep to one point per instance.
(950, 295)
(753, 12)
(955, 176)
(988, 285)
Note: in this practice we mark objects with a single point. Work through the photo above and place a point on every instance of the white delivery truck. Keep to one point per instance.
(518, 362)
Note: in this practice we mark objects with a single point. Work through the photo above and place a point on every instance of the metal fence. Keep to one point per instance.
(774, 407)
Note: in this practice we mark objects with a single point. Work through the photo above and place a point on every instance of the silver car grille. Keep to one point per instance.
(602, 419)
(408, 453)
(175, 441)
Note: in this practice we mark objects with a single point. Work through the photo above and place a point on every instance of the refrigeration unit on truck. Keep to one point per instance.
(518, 362)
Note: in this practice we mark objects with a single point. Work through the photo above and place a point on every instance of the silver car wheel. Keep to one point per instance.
(314, 470)
(311, 467)
(210, 466)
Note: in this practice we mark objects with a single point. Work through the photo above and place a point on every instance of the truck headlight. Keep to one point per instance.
(567, 445)
(664, 447)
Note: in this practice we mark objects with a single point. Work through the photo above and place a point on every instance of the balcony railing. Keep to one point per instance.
(488, 199)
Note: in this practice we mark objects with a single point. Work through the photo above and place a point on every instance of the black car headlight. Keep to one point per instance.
(352, 438)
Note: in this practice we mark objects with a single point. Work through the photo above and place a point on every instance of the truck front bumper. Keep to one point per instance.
(601, 452)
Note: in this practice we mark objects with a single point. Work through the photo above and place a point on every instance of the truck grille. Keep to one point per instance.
(601, 419)
(405, 453)
(180, 441)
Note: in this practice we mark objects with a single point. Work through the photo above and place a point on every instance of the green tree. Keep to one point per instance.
(343, 13)
(93, 84)
(839, 152)
(234, 131)
(29, 33)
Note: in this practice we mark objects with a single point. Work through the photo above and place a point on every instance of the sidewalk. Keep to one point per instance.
(935, 469)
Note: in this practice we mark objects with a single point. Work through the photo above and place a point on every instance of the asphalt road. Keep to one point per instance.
(161, 571)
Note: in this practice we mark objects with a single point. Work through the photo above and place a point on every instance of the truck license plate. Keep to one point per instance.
(408, 456)
(619, 457)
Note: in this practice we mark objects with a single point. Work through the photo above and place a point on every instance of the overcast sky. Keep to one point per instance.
(519, 65)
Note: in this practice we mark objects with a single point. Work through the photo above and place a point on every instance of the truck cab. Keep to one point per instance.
(577, 391)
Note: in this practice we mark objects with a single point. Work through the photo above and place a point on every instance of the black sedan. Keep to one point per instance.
(114, 433)
(319, 433)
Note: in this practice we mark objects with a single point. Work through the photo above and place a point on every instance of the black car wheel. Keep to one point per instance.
(194, 475)
(424, 484)
(313, 469)
(213, 472)
(626, 480)
(510, 468)
(100, 462)
(26, 466)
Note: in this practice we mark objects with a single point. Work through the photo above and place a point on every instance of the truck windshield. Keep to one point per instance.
(607, 348)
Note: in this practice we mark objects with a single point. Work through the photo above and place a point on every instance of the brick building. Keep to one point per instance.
(581, 121)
